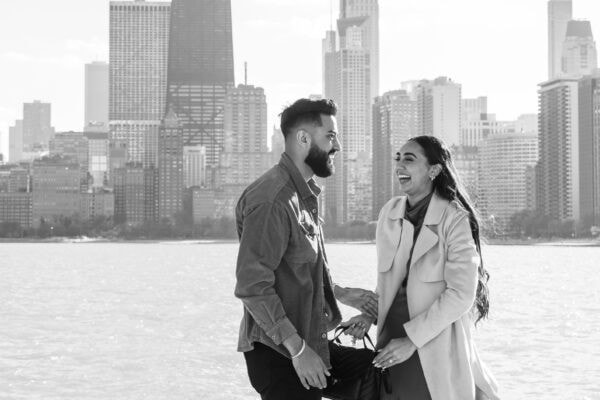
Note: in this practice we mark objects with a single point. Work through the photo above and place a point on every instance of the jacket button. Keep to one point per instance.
(314, 210)
(324, 336)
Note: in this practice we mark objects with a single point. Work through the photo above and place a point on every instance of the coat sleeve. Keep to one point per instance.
(460, 275)
(264, 238)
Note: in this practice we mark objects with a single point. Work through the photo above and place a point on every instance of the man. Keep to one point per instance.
(282, 275)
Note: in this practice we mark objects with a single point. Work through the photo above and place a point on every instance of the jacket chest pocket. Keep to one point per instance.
(304, 244)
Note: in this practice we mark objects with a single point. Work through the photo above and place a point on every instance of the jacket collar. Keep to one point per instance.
(434, 214)
(305, 189)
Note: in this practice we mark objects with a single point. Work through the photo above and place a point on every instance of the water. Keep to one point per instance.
(159, 320)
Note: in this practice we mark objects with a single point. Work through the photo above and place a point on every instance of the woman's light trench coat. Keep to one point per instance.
(440, 291)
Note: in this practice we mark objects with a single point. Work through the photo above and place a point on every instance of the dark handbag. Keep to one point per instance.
(353, 376)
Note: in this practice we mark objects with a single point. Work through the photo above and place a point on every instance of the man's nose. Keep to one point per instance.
(337, 145)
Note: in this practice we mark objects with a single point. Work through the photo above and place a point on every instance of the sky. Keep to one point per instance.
(494, 48)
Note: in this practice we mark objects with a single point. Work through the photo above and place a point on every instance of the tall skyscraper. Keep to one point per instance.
(367, 12)
(138, 54)
(579, 56)
(200, 69)
(245, 156)
(15, 142)
(170, 167)
(96, 95)
(37, 129)
(351, 78)
(589, 148)
(439, 109)
(560, 12)
(502, 187)
(557, 172)
(394, 122)
(245, 120)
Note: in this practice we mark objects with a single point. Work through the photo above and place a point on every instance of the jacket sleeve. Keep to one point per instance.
(264, 238)
(460, 275)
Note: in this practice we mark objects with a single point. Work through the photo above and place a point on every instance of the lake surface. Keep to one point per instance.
(159, 320)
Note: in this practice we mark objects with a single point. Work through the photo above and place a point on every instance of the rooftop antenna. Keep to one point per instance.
(245, 73)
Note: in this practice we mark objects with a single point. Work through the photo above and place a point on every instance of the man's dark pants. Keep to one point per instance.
(274, 377)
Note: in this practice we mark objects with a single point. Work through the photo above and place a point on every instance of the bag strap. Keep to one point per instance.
(341, 329)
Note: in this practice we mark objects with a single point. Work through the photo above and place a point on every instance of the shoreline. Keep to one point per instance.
(589, 242)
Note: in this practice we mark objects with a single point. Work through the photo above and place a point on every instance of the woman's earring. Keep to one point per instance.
(432, 177)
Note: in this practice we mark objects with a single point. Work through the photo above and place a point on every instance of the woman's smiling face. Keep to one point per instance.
(414, 171)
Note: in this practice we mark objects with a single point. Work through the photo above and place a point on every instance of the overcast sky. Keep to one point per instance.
(494, 48)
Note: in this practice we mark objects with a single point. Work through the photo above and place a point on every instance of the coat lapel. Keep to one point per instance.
(428, 236)
(388, 235)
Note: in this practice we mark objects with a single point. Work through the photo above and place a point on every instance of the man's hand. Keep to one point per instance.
(358, 325)
(310, 368)
(361, 299)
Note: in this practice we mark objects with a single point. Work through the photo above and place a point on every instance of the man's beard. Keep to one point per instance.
(318, 161)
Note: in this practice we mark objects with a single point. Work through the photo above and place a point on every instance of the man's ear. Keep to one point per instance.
(302, 136)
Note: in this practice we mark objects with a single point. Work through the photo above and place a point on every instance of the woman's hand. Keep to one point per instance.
(358, 326)
(397, 351)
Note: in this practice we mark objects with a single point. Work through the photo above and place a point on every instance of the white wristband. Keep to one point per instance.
(301, 349)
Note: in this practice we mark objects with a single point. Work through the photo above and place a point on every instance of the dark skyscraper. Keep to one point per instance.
(589, 148)
(200, 68)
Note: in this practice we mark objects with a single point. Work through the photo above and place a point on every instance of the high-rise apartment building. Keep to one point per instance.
(439, 109)
(16, 207)
(466, 161)
(245, 120)
(96, 95)
(473, 131)
(170, 167)
(200, 69)
(98, 153)
(560, 12)
(589, 148)
(472, 109)
(134, 194)
(579, 56)
(138, 54)
(194, 166)
(394, 122)
(502, 187)
(15, 142)
(245, 156)
(72, 145)
(557, 173)
(37, 127)
(56, 187)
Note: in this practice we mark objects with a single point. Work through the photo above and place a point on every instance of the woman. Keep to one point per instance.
(431, 282)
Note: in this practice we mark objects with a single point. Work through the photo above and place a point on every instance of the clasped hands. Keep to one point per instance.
(361, 299)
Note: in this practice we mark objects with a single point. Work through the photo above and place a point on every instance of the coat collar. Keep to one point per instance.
(434, 214)
(305, 188)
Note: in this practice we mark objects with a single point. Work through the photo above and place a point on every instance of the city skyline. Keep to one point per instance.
(38, 58)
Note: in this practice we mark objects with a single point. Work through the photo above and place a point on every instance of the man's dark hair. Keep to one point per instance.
(305, 111)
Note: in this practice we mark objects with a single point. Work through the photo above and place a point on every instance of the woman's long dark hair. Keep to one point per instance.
(449, 186)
